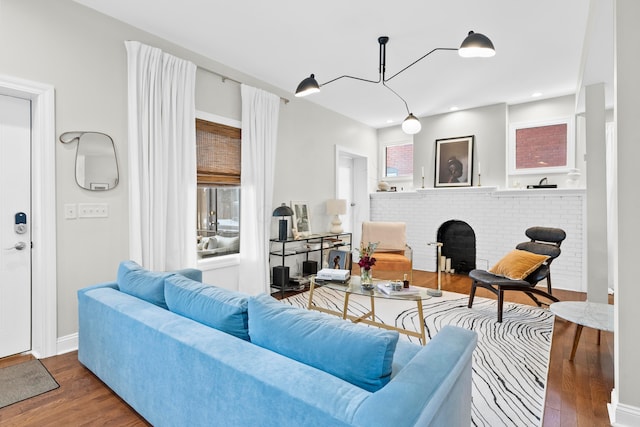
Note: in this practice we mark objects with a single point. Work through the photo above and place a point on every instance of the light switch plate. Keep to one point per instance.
(93, 210)
(70, 211)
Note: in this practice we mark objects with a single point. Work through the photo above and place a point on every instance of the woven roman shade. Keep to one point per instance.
(218, 153)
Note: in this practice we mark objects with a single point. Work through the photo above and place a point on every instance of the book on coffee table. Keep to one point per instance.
(387, 289)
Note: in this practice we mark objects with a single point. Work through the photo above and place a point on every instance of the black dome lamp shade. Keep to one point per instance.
(283, 211)
(308, 86)
(476, 45)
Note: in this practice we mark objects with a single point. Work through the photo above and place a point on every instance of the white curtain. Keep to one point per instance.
(260, 112)
(162, 159)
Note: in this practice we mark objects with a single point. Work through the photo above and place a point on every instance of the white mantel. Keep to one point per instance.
(498, 218)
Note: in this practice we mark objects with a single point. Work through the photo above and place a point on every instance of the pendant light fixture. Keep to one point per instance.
(475, 45)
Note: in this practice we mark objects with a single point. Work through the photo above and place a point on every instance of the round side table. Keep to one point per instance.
(584, 313)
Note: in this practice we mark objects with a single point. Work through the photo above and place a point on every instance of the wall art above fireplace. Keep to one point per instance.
(454, 162)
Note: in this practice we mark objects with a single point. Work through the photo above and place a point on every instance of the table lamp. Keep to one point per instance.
(283, 211)
(336, 207)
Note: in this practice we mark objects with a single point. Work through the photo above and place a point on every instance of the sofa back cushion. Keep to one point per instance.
(142, 283)
(354, 353)
(218, 308)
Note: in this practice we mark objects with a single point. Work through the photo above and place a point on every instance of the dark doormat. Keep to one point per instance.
(23, 381)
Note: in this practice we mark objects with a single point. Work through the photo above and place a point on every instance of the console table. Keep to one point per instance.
(316, 243)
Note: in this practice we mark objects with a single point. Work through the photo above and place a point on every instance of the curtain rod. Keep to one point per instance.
(225, 78)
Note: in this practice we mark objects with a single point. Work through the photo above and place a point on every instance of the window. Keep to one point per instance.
(398, 160)
(218, 199)
(541, 147)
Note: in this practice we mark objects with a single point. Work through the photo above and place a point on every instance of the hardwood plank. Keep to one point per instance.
(577, 392)
(81, 400)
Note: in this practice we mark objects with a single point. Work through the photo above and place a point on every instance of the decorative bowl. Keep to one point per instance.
(383, 186)
(367, 286)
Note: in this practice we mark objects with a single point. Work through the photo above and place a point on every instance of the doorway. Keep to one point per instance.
(43, 208)
(351, 185)
(15, 223)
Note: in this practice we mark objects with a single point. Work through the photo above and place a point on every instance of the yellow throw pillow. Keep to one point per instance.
(518, 264)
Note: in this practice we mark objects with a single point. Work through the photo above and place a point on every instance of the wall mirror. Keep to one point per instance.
(96, 163)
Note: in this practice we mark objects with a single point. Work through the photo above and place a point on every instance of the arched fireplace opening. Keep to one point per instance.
(458, 243)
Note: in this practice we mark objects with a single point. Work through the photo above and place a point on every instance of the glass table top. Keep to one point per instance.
(381, 289)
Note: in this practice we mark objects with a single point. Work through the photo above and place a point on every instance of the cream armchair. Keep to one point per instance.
(392, 253)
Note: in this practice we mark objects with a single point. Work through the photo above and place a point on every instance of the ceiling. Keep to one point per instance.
(549, 47)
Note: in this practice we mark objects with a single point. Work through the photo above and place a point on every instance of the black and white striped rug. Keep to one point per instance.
(510, 363)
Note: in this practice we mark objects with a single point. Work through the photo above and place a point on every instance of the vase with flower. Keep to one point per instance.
(366, 262)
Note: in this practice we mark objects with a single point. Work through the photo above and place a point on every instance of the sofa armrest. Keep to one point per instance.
(112, 285)
(434, 388)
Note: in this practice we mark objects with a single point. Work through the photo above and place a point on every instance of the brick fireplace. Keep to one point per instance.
(459, 244)
(497, 218)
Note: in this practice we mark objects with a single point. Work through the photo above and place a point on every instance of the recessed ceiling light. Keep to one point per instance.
(390, 121)
(536, 94)
(454, 108)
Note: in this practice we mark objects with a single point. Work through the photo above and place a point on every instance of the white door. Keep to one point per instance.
(345, 190)
(15, 230)
(351, 184)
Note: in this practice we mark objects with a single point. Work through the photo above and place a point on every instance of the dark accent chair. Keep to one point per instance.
(544, 241)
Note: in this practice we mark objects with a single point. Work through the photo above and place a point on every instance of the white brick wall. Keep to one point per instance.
(498, 218)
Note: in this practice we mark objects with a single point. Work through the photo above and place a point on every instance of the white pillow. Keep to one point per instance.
(228, 242)
(212, 242)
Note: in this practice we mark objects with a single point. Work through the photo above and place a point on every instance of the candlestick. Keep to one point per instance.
(437, 292)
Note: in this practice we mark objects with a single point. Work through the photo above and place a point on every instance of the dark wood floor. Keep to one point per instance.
(577, 392)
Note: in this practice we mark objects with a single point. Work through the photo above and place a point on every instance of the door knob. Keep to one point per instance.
(18, 246)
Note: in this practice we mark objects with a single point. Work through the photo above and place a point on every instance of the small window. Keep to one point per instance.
(542, 147)
(218, 198)
(398, 160)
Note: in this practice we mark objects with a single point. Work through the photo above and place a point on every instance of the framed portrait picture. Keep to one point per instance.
(542, 147)
(301, 219)
(340, 260)
(454, 162)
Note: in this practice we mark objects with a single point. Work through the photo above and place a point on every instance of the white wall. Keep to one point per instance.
(82, 54)
(626, 395)
(488, 126)
(543, 110)
(305, 164)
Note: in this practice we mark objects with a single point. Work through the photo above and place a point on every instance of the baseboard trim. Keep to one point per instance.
(622, 415)
(67, 343)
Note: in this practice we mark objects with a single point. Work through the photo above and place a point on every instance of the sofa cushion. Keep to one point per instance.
(518, 264)
(218, 308)
(142, 283)
(355, 353)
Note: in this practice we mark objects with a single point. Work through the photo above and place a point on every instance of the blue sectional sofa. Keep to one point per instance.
(182, 353)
